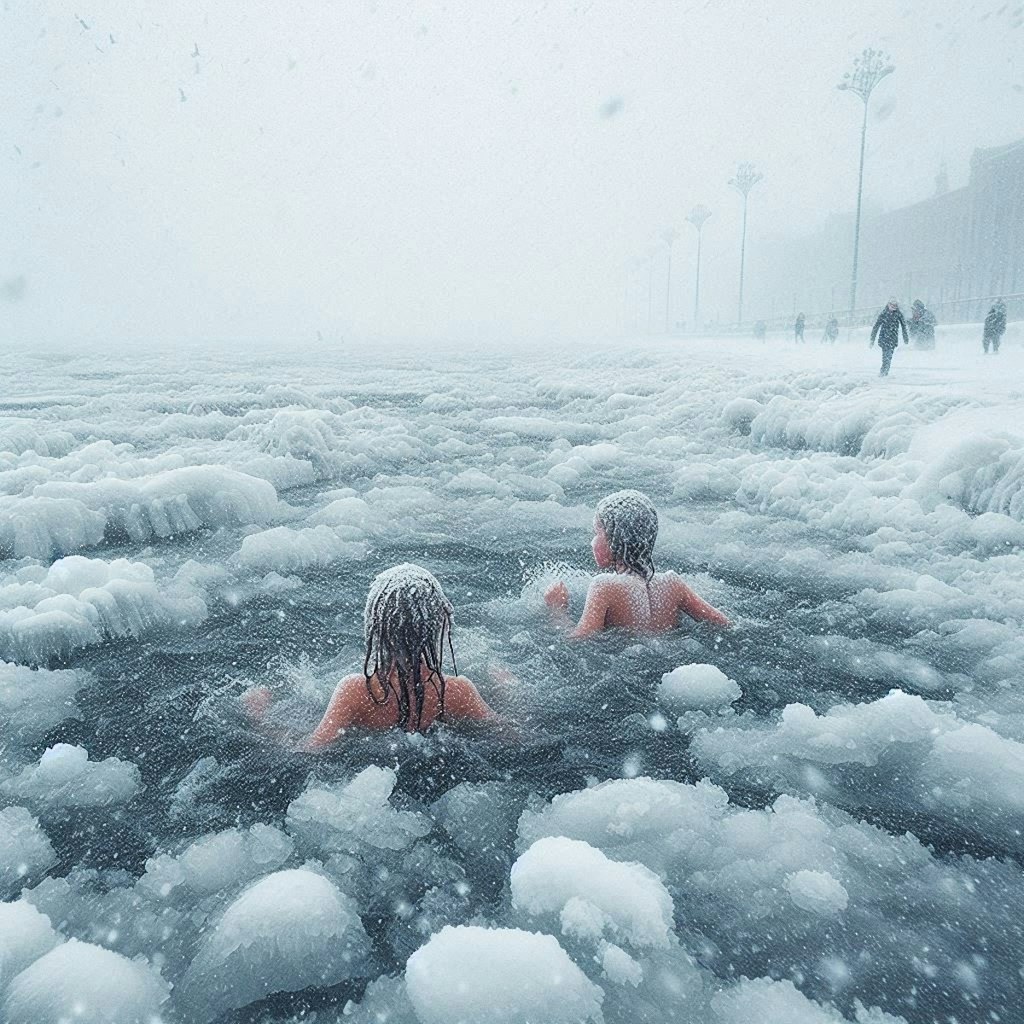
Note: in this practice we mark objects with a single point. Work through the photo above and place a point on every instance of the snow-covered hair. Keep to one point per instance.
(406, 623)
(630, 523)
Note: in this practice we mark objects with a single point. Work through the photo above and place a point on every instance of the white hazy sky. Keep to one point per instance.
(463, 170)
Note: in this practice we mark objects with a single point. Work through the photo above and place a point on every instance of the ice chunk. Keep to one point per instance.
(78, 601)
(25, 850)
(619, 967)
(25, 935)
(477, 975)
(80, 982)
(289, 931)
(216, 862)
(817, 891)
(285, 550)
(630, 900)
(355, 815)
(766, 1001)
(65, 777)
(34, 701)
(697, 687)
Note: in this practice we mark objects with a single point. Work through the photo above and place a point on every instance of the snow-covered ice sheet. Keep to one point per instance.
(176, 530)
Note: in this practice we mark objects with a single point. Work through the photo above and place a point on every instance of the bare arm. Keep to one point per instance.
(697, 608)
(595, 611)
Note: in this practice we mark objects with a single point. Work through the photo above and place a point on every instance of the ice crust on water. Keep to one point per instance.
(477, 975)
(25, 935)
(866, 536)
(906, 749)
(25, 850)
(78, 601)
(77, 981)
(291, 930)
(356, 815)
(770, 889)
(65, 777)
(696, 688)
(590, 893)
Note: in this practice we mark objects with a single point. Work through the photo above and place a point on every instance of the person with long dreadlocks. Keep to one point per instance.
(407, 625)
(629, 593)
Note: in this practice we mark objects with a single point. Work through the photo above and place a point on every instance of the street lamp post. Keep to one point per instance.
(868, 70)
(669, 235)
(746, 178)
(697, 217)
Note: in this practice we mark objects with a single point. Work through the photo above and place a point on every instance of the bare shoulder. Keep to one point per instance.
(462, 699)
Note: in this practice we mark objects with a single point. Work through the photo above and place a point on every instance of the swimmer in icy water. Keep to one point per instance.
(630, 593)
(407, 623)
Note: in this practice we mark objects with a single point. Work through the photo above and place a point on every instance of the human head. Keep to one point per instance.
(918, 304)
(893, 304)
(625, 529)
(406, 623)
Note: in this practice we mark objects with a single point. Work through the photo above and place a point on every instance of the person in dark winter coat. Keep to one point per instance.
(798, 328)
(995, 326)
(831, 330)
(887, 330)
(922, 325)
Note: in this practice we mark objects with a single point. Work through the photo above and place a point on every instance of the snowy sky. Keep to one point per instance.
(191, 172)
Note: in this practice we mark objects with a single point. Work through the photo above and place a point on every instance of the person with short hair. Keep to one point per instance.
(630, 593)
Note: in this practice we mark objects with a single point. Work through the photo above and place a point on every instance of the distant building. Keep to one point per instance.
(960, 244)
(954, 250)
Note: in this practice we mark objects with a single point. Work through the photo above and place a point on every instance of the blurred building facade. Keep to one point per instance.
(956, 250)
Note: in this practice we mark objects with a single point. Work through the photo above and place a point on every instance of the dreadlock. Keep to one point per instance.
(406, 622)
(630, 523)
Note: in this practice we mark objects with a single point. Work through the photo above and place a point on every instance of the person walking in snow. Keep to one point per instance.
(887, 330)
(995, 326)
(831, 330)
(760, 330)
(922, 325)
(798, 328)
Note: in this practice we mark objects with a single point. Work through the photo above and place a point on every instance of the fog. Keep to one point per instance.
(244, 172)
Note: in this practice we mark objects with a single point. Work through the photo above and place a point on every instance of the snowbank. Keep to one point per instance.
(88, 984)
(479, 975)
(289, 931)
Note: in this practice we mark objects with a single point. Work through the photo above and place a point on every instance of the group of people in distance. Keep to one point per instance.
(407, 629)
(890, 324)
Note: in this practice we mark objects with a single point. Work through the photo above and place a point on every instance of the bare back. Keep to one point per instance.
(625, 600)
(352, 706)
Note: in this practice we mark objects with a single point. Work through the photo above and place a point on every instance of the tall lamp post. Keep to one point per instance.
(868, 70)
(746, 178)
(697, 217)
(669, 236)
